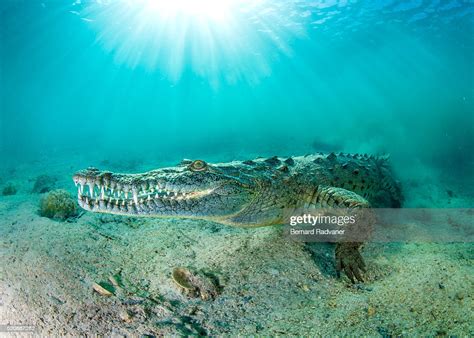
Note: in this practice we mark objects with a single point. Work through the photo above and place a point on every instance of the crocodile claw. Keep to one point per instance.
(349, 260)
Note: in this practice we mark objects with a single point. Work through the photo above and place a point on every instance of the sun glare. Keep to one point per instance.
(213, 10)
(219, 40)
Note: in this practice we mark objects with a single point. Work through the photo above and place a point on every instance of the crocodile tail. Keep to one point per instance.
(389, 183)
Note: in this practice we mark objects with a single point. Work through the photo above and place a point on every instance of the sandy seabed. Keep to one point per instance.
(268, 285)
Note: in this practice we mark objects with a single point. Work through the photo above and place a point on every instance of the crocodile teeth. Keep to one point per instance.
(91, 188)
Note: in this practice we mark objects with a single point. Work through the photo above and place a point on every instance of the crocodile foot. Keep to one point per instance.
(349, 260)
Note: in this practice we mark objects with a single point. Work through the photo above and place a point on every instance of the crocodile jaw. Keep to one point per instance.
(99, 198)
(155, 194)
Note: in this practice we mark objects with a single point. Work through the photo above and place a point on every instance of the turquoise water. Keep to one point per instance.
(151, 80)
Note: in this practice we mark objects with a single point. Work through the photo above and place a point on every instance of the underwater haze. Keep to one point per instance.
(233, 79)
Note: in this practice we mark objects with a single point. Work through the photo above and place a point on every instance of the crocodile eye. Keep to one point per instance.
(198, 165)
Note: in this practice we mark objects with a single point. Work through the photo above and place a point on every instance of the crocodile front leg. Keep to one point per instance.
(348, 257)
(349, 260)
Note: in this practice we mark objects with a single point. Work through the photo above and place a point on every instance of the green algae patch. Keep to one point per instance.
(59, 205)
(9, 190)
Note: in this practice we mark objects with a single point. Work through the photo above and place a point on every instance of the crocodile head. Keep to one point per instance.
(193, 189)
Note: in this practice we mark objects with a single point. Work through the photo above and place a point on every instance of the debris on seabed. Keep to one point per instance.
(195, 284)
(101, 290)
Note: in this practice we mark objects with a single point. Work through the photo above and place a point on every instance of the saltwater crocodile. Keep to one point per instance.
(250, 193)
